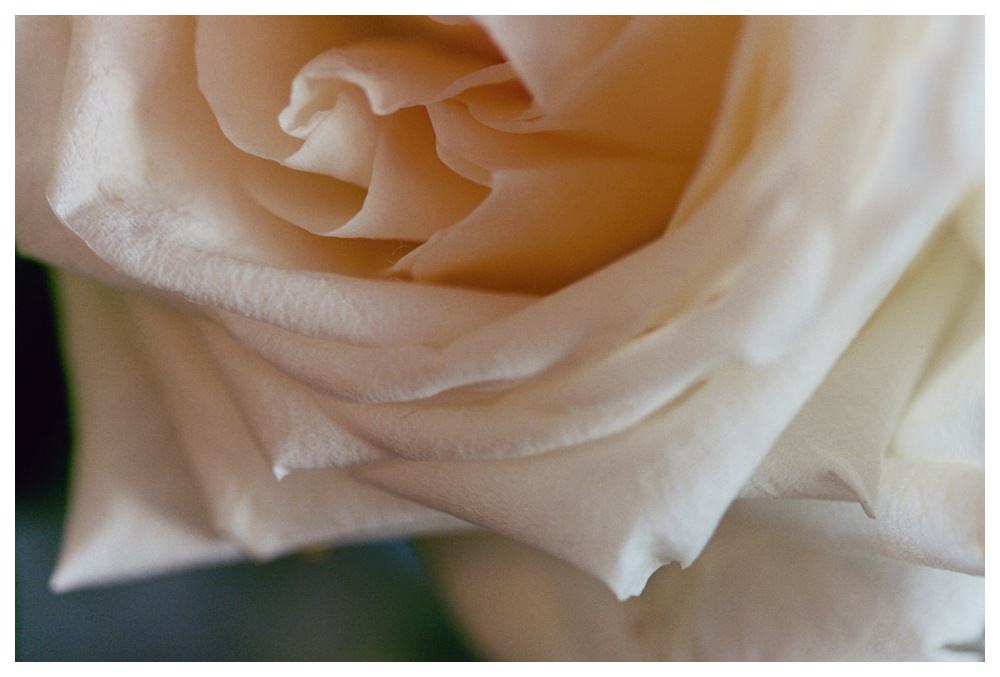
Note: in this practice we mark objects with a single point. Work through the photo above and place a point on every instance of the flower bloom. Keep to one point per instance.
(580, 281)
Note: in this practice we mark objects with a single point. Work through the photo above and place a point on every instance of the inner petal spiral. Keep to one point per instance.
(508, 155)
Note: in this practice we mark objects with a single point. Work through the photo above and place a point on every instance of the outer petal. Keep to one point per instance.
(135, 508)
(752, 595)
(42, 47)
(680, 467)
(835, 447)
(167, 475)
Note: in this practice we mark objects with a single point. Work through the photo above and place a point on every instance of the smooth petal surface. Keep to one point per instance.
(246, 98)
(753, 595)
(135, 508)
(835, 447)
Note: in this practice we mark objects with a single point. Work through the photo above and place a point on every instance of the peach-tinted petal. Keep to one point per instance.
(246, 97)
(411, 194)
(340, 140)
(542, 228)
(549, 52)
(586, 78)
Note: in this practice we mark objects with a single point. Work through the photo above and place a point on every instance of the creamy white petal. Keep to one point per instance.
(945, 420)
(42, 48)
(264, 516)
(835, 446)
(928, 513)
(410, 193)
(169, 475)
(753, 595)
(680, 470)
(135, 508)
(317, 203)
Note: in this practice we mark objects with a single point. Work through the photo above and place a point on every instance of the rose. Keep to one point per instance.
(655, 236)
(679, 376)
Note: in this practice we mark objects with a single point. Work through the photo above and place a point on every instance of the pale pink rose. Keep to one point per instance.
(579, 281)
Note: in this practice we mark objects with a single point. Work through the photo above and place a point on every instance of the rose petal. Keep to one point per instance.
(265, 517)
(927, 513)
(753, 595)
(582, 71)
(317, 203)
(681, 470)
(681, 466)
(245, 98)
(835, 446)
(42, 47)
(158, 393)
(946, 420)
(540, 229)
(392, 73)
(129, 478)
(549, 51)
(341, 141)
(411, 194)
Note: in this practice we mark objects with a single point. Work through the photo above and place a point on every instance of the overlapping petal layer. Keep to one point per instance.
(752, 596)
(656, 317)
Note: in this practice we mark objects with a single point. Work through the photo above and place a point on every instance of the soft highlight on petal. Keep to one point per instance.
(423, 275)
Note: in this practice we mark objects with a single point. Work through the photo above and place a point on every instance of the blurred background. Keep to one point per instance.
(371, 602)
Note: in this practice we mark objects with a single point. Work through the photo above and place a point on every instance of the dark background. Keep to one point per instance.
(371, 602)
